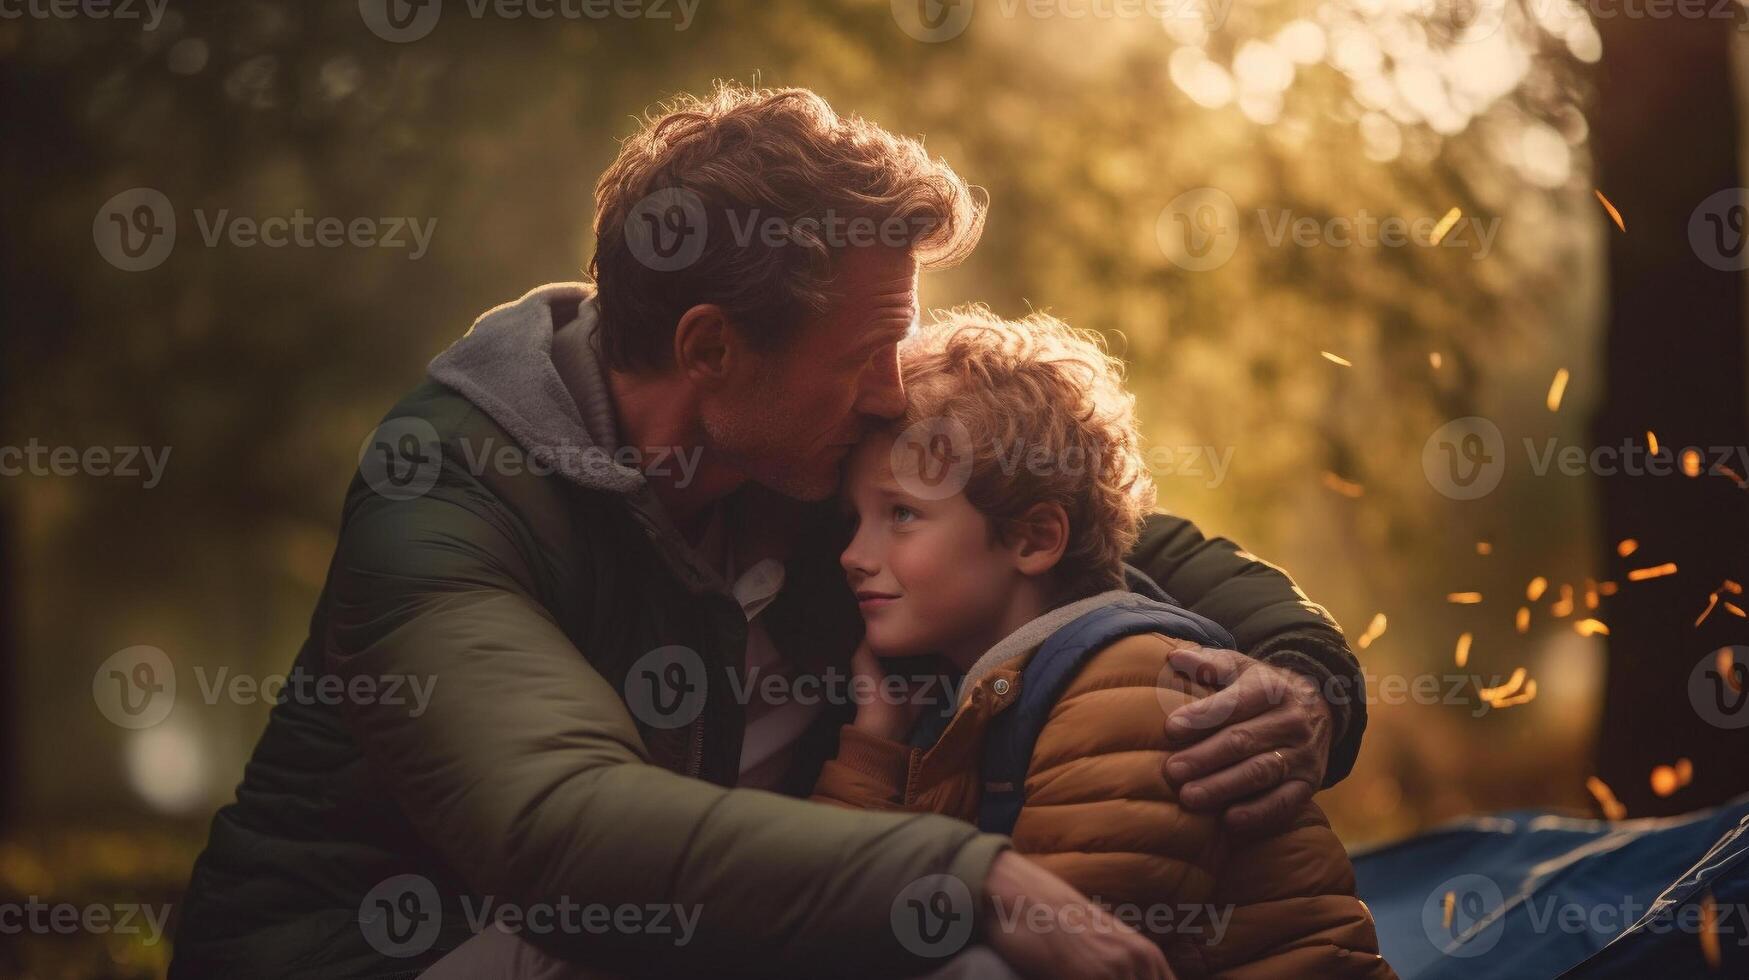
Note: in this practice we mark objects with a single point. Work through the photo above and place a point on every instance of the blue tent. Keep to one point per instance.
(1530, 894)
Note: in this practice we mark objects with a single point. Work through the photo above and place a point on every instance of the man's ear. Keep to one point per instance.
(706, 347)
(1037, 540)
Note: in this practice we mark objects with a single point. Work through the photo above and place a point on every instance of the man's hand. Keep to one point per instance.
(1261, 741)
(1079, 938)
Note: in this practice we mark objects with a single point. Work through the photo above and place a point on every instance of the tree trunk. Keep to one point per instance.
(11, 673)
(1665, 138)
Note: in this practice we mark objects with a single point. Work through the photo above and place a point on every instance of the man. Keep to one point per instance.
(596, 535)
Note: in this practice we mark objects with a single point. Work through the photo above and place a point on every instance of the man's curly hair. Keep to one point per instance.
(745, 156)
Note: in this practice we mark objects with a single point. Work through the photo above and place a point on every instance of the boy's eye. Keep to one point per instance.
(902, 514)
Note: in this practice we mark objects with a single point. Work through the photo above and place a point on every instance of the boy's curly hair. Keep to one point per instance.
(1048, 419)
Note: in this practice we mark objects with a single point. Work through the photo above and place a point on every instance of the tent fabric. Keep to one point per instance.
(1533, 894)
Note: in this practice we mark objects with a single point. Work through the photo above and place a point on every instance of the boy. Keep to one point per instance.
(990, 526)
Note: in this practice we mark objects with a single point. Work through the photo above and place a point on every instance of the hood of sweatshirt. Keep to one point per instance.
(514, 364)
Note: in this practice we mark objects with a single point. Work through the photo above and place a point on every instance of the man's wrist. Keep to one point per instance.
(1347, 714)
(973, 865)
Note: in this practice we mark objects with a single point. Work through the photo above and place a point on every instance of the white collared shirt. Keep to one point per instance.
(773, 727)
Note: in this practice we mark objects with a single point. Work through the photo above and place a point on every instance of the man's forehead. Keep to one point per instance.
(878, 283)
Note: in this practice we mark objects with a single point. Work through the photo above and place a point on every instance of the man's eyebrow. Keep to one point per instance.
(889, 335)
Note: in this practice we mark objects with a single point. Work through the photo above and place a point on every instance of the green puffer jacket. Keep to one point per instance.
(367, 834)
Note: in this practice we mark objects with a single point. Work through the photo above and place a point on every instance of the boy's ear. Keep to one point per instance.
(1037, 540)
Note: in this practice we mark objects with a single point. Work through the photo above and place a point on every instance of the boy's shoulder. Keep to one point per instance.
(1135, 660)
(1126, 642)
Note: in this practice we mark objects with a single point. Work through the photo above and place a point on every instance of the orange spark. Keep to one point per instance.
(1374, 630)
(1613, 213)
(1557, 387)
(1347, 488)
(1605, 797)
(1445, 225)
